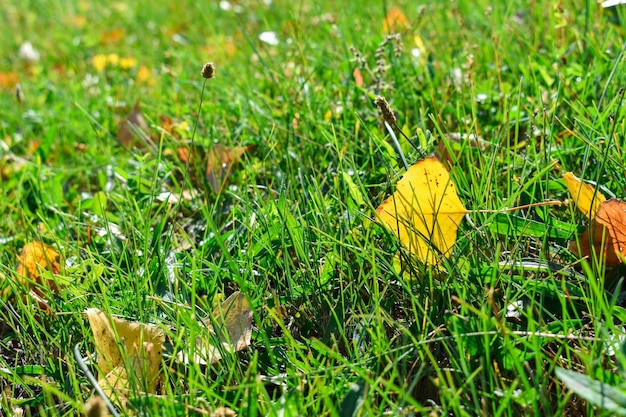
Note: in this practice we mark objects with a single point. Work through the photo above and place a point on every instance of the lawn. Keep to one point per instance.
(219, 231)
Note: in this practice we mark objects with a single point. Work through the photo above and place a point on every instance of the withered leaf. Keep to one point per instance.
(134, 130)
(230, 324)
(606, 235)
(142, 346)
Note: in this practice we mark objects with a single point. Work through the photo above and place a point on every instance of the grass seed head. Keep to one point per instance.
(208, 70)
(386, 110)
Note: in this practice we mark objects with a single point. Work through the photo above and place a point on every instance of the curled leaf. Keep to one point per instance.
(118, 339)
(230, 325)
(606, 235)
(586, 197)
(35, 258)
(220, 162)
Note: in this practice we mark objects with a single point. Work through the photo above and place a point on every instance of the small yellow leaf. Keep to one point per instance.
(586, 197)
(425, 211)
(142, 346)
(36, 256)
(78, 21)
(144, 75)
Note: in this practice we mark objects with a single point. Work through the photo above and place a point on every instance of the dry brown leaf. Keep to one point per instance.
(220, 162)
(134, 130)
(233, 330)
(95, 407)
(142, 346)
(606, 235)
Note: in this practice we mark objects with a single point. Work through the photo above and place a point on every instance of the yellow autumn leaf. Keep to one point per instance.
(424, 211)
(586, 197)
(126, 349)
(144, 75)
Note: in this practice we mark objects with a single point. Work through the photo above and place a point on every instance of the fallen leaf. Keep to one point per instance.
(395, 21)
(606, 235)
(220, 161)
(424, 211)
(78, 21)
(95, 407)
(35, 257)
(8, 80)
(358, 78)
(112, 36)
(173, 128)
(144, 75)
(126, 350)
(134, 127)
(586, 197)
(230, 324)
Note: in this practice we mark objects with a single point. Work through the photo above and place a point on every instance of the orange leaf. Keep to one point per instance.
(358, 78)
(35, 257)
(424, 211)
(144, 75)
(112, 36)
(184, 154)
(395, 21)
(606, 234)
(8, 80)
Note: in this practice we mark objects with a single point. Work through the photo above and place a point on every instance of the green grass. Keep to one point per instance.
(541, 82)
